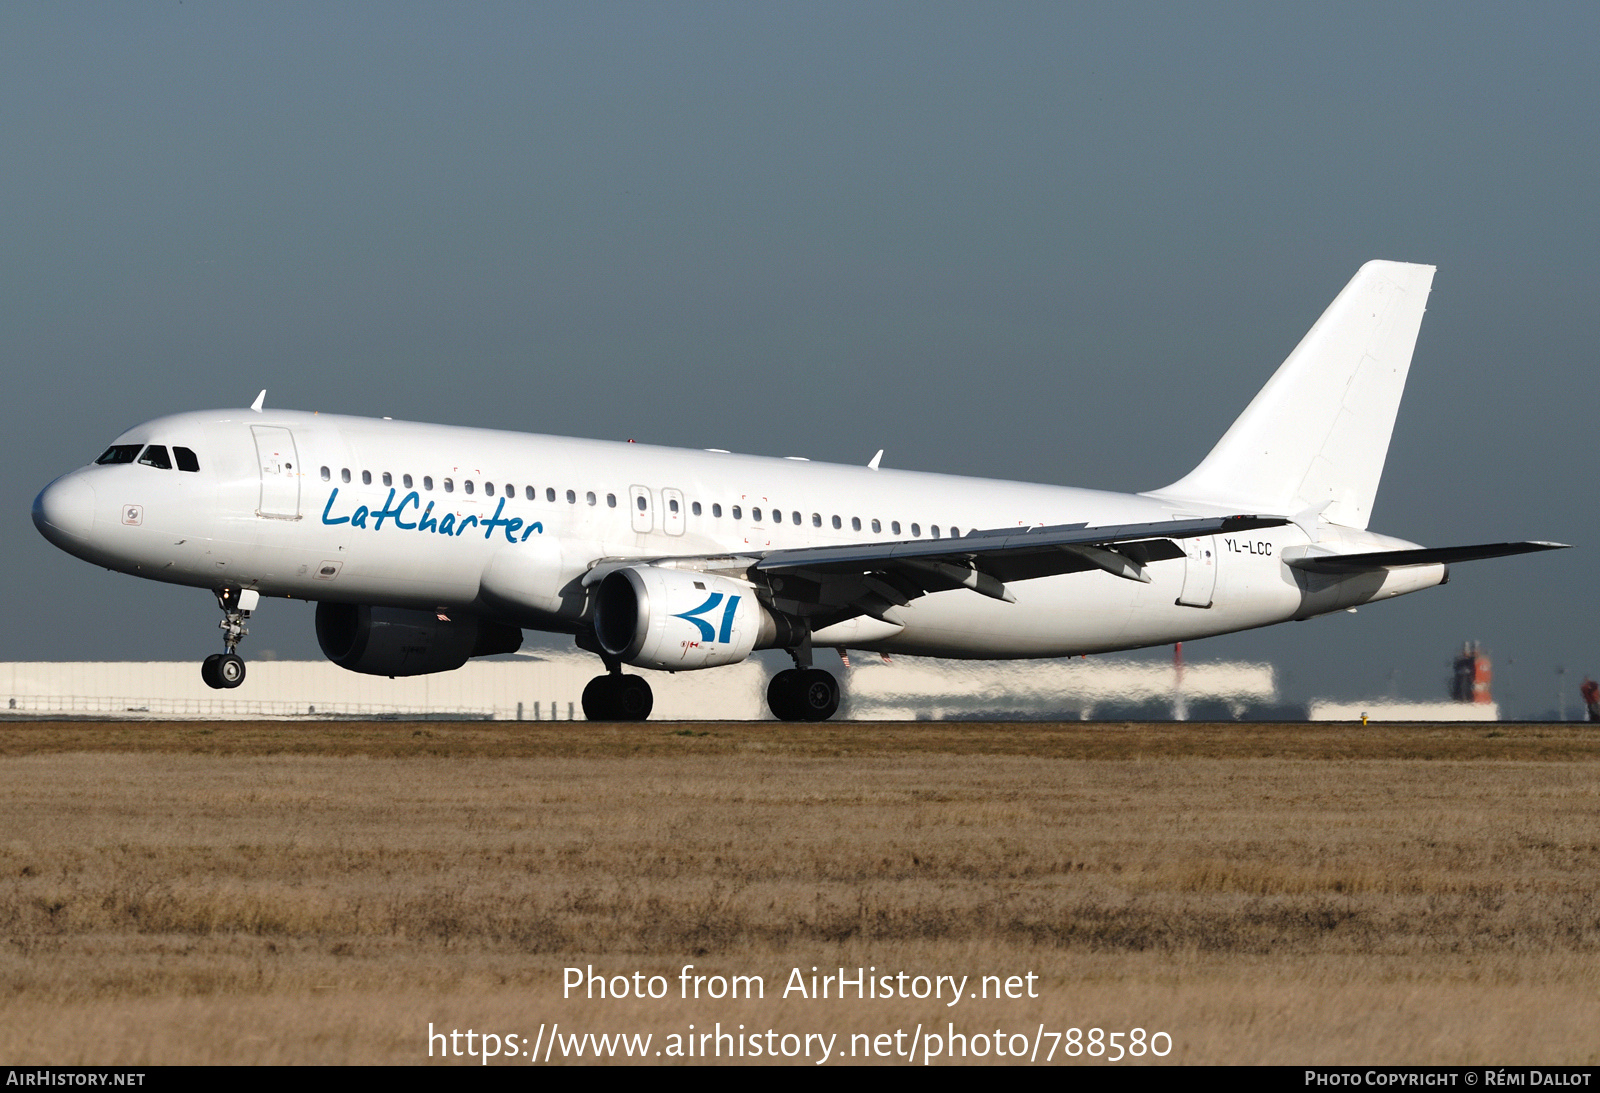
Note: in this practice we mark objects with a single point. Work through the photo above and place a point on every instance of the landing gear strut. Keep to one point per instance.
(221, 670)
(616, 697)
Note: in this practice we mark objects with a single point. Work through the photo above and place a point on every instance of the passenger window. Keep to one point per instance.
(366, 478)
(694, 507)
(794, 517)
(572, 497)
(550, 493)
(611, 500)
(755, 514)
(326, 475)
(449, 485)
(388, 479)
(188, 461)
(716, 510)
(916, 529)
(469, 485)
(156, 456)
(427, 481)
(344, 475)
(589, 497)
(837, 523)
(816, 519)
(405, 480)
(119, 453)
(877, 528)
(955, 532)
(894, 526)
(855, 523)
(737, 513)
(640, 501)
(934, 531)
(672, 504)
(511, 491)
(528, 492)
(488, 489)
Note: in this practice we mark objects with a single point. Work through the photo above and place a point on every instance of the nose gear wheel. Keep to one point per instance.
(226, 670)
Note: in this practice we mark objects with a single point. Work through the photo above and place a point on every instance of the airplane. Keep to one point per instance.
(425, 545)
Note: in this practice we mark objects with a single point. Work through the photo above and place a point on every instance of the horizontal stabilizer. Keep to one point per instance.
(1390, 559)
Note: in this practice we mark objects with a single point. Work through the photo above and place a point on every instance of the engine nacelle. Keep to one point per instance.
(676, 620)
(392, 641)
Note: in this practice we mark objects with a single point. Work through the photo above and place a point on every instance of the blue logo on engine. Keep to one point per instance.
(706, 633)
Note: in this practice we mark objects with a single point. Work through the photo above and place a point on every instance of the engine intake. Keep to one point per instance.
(392, 641)
(676, 620)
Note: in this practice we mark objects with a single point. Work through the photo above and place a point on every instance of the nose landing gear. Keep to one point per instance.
(226, 670)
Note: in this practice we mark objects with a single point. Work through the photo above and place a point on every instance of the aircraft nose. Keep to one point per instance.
(64, 511)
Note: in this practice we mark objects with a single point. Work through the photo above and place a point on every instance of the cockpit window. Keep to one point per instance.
(156, 456)
(120, 453)
(187, 461)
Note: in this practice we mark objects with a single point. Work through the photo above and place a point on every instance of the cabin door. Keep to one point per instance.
(280, 472)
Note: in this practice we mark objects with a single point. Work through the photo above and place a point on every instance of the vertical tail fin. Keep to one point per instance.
(1316, 436)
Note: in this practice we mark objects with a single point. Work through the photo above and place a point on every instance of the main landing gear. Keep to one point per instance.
(221, 670)
(616, 697)
(803, 693)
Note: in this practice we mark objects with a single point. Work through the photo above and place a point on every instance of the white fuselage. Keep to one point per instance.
(506, 525)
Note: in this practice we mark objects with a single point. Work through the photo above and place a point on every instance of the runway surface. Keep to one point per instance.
(1535, 741)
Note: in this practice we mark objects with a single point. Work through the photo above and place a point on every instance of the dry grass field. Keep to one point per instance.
(272, 892)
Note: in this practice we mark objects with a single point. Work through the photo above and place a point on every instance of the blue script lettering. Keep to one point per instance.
(329, 508)
(409, 499)
(444, 525)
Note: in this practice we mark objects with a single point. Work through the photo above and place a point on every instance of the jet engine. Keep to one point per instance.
(392, 641)
(676, 620)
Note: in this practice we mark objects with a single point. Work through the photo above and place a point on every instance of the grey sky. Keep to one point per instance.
(1016, 241)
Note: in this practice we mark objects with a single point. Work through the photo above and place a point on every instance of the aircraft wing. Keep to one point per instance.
(833, 583)
(1016, 554)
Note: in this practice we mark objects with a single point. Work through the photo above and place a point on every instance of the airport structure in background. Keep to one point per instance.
(549, 686)
(1470, 698)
